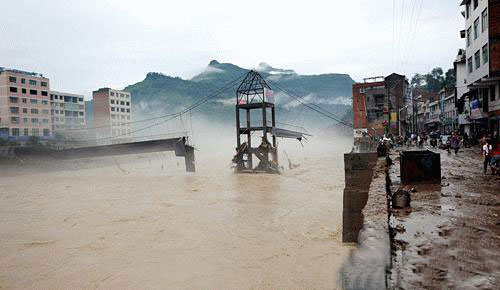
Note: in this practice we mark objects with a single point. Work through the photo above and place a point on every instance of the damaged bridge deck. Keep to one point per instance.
(178, 145)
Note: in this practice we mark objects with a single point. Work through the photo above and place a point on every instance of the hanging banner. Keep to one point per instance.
(394, 119)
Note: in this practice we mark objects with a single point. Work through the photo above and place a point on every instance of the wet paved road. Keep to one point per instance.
(451, 238)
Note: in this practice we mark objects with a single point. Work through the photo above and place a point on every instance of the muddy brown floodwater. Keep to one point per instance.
(142, 222)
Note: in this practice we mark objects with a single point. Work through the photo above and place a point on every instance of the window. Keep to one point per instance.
(485, 53)
(484, 24)
(122, 110)
(113, 116)
(128, 103)
(24, 100)
(477, 59)
(44, 93)
(45, 102)
(45, 112)
(113, 102)
(33, 101)
(469, 65)
(80, 113)
(45, 121)
(12, 79)
(468, 36)
(14, 99)
(23, 81)
(14, 120)
(122, 95)
(492, 93)
(46, 132)
(15, 132)
(43, 84)
(122, 103)
(128, 110)
(32, 82)
(34, 120)
(35, 132)
(26, 132)
(112, 109)
(34, 111)
(33, 92)
(25, 110)
(80, 99)
(476, 28)
(14, 110)
(112, 94)
(475, 4)
(23, 91)
(13, 89)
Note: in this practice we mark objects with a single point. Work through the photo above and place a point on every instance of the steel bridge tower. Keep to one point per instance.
(254, 94)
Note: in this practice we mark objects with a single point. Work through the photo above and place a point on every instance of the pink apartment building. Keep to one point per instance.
(112, 111)
(24, 104)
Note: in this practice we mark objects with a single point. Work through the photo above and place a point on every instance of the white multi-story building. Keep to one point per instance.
(112, 112)
(482, 53)
(461, 92)
(449, 114)
(68, 112)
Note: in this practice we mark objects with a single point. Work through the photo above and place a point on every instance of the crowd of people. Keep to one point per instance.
(487, 142)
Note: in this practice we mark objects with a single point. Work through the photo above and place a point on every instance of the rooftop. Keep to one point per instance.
(34, 74)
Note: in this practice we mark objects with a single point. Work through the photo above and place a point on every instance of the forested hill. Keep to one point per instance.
(159, 93)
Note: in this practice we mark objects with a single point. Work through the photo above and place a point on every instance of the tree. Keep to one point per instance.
(450, 79)
(418, 81)
(435, 80)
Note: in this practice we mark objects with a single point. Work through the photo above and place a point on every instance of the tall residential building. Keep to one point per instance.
(482, 52)
(377, 103)
(461, 93)
(67, 110)
(24, 104)
(112, 111)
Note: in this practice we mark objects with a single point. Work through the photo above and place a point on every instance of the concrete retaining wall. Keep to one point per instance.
(358, 176)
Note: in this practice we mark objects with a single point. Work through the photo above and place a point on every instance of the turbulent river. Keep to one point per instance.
(143, 222)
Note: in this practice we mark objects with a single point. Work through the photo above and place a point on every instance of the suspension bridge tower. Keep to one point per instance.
(254, 97)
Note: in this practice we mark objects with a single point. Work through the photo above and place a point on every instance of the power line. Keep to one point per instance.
(408, 36)
(178, 114)
(159, 117)
(312, 106)
(400, 29)
(414, 33)
(393, 29)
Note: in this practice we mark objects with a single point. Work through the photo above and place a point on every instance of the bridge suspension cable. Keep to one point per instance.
(312, 106)
(173, 115)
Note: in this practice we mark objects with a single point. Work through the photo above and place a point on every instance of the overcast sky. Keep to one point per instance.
(84, 45)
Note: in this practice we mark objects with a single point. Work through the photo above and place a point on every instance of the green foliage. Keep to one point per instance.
(435, 80)
(167, 94)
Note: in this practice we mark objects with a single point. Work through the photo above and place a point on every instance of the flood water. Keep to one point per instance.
(143, 222)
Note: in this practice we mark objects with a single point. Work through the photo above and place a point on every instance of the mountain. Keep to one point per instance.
(159, 94)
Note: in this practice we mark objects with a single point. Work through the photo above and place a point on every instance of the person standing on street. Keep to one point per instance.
(486, 154)
(455, 142)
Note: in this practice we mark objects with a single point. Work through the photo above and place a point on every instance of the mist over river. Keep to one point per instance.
(141, 221)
